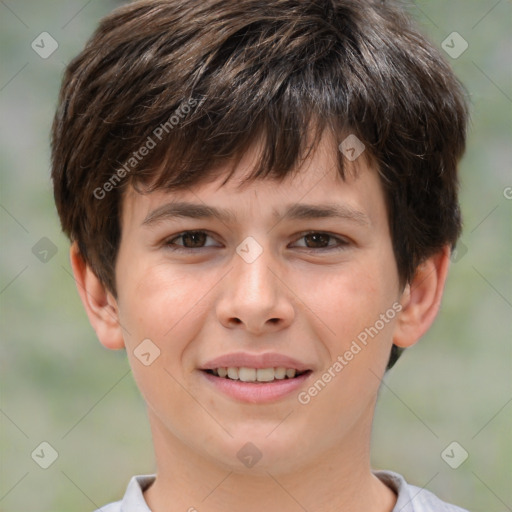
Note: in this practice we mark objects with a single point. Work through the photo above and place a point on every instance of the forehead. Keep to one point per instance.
(315, 183)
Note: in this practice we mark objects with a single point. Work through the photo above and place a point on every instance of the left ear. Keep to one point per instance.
(421, 299)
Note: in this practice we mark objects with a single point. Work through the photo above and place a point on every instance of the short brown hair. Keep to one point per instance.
(251, 68)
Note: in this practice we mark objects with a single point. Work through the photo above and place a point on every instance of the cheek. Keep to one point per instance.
(351, 298)
(157, 302)
(363, 321)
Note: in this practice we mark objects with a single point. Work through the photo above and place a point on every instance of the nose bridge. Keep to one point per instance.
(252, 280)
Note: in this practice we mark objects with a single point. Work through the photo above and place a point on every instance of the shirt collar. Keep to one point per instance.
(133, 500)
(397, 484)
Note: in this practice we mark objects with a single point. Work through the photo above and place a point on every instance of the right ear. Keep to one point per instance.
(100, 305)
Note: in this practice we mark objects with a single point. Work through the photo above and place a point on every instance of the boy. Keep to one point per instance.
(262, 199)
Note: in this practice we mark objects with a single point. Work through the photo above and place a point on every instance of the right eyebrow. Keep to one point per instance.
(188, 210)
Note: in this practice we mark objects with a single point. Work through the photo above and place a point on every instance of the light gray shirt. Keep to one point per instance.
(410, 497)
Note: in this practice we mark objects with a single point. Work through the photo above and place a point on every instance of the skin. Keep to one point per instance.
(296, 300)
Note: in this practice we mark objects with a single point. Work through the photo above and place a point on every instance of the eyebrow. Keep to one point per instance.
(298, 211)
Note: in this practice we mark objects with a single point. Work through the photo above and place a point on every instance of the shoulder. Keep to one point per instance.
(111, 507)
(412, 498)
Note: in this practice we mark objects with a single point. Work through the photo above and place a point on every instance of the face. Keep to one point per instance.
(270, 286)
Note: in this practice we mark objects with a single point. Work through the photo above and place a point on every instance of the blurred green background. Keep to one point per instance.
(60, 386)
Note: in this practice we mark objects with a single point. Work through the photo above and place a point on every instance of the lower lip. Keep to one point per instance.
(257, 392)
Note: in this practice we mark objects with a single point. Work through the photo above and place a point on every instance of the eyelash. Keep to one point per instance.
(342, 243)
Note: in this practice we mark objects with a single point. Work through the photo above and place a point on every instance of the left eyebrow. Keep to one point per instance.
(299, 211)
(325, 211)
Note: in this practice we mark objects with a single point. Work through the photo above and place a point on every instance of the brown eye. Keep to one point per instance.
(189, 240)
(319, 240)
(194, 238)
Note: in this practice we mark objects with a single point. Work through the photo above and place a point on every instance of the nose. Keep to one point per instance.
(255, 297)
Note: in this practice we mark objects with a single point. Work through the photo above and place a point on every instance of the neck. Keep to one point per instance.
(338, 479)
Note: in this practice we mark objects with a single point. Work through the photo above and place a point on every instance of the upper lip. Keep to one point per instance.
(244, 359)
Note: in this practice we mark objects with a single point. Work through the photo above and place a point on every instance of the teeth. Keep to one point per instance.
(280, 373)
(233, 373)
(265, 374)
(290, 373)
(256, 375)
(247, 374)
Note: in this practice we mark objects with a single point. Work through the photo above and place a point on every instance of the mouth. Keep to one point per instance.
(255, 378)
(256, 375)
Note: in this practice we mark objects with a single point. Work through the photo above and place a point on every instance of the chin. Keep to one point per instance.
(258, 452)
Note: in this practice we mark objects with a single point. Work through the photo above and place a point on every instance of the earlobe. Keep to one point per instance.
(421, 299)
(99, 303)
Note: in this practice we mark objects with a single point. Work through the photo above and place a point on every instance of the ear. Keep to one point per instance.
(99, 303)
(421, 299)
